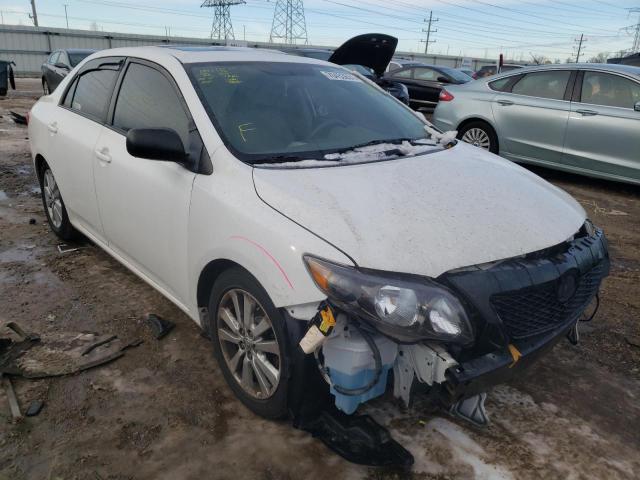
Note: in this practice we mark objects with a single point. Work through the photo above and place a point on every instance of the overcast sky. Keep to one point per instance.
(470, 27)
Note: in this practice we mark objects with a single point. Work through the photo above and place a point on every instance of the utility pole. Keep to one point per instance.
(580, 41)
(34, 14)
(428, 31)
(65, 15)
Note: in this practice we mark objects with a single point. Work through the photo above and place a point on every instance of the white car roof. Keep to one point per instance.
(197, 54)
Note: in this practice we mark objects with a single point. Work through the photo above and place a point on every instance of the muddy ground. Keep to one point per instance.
(163, 410)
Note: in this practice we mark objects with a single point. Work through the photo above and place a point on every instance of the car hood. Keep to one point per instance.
(373, 50)
(426, 214)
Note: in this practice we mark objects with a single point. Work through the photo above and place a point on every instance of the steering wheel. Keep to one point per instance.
(326, 126)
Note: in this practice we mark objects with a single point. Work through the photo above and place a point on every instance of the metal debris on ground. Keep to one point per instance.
(11, 396)
(64, 248)
(159, 326)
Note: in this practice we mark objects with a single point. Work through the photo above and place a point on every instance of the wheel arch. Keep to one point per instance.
(39, 164)
(208, 277)
(469, 120)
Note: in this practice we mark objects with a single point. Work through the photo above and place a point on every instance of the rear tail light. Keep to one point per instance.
(445, 96)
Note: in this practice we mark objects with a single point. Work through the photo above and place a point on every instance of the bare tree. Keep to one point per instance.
(600, 58)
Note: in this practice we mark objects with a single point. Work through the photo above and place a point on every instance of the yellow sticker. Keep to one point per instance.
(515, 354)
(327, 320)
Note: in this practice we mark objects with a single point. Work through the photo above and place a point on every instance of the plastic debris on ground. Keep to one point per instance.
(159, 326)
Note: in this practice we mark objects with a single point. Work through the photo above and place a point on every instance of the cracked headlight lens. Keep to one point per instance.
(405, 307)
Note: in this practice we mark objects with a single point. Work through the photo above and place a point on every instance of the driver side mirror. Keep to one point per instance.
(636, 107)
(156, 144)
(62, 65)
(442, 79)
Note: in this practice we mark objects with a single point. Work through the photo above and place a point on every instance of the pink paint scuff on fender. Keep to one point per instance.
(266, 252)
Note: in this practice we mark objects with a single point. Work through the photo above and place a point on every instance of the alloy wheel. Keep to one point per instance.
(248, 343)
(52, 199)
(477, 137)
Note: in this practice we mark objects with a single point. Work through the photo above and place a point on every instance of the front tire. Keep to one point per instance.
(479, 134)
(249, 342)
(54, 207)
(45, 87)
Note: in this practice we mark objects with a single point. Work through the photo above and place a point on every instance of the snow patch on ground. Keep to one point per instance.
(468, 451)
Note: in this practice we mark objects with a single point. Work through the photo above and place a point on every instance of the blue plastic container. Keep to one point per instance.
(350, 364)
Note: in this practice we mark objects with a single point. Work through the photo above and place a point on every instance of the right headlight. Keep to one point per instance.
(406, 309)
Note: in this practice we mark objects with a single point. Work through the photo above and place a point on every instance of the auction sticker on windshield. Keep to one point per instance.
(343, 76)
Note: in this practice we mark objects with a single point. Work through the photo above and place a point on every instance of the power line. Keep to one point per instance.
(428, 31)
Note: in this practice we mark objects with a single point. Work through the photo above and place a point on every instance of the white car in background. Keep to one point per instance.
(279, 199)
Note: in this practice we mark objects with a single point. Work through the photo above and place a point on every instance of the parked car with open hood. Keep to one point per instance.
(59, 64)
(425, 82)
(320, 232)
(368, 54)
(583, 118)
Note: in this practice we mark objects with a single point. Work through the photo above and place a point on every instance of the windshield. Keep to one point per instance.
(296, 111)
(76, 58)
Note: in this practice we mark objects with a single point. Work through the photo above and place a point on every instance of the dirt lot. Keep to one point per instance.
(163, 410)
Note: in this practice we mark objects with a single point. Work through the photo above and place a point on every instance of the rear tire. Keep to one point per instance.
(479, 134)
(54, 207)
(251, 349)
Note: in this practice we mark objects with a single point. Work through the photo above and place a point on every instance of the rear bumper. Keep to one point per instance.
(478, 375)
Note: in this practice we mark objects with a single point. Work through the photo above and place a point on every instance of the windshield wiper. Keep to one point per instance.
(282, 159)
(375, 142)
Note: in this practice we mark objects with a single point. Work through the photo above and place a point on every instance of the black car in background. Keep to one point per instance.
(367, 54)
(59, 64)
(425, 82)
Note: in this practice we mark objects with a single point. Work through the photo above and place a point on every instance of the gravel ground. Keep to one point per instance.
(163, 410)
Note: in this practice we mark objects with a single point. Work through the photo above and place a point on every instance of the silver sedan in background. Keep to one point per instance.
(583, 118)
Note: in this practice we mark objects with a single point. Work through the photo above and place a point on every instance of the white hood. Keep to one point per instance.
(427, 214)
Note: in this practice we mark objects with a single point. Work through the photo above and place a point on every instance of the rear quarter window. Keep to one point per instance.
(500, 85)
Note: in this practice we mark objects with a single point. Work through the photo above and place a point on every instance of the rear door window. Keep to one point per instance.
(147, 99)
(426, 74)
(599, 88)
(550, 84)
(93, 93)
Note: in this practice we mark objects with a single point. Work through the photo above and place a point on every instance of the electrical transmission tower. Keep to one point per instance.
(429, 31)
(636, 39)
(221, 27)
(289, 23)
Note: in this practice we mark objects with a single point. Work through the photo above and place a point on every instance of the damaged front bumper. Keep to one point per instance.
(521, 308)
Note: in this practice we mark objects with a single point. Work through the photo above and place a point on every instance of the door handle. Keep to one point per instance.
(103, 155)
(53, 127)
(587, 112)
(505, 103)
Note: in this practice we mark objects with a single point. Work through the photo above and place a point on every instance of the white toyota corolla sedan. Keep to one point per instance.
(331, 242)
